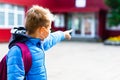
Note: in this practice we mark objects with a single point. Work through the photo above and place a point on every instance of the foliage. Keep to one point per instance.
(114, 18)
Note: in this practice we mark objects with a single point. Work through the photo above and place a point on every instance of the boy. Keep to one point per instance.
(38, 39)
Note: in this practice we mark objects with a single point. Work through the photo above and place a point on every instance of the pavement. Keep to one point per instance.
(80, 61)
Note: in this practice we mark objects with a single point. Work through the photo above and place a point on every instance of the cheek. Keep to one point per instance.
(46, 34)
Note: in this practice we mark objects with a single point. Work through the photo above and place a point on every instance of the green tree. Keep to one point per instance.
(114, 18)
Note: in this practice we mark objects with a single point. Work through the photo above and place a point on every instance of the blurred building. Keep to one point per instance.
(87, 18)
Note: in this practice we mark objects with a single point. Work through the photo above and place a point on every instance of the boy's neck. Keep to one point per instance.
(35, 35)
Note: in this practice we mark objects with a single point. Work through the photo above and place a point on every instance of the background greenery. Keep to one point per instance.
(114, 17)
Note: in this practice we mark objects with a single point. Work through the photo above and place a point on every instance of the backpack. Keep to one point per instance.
(27, 59)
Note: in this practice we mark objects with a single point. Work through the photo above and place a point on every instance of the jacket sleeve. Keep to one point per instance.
(15, 67)
(52, 39)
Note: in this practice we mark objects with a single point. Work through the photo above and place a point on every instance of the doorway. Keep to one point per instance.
(83, 25)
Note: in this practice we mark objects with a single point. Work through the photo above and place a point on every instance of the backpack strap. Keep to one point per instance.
(27, 58)
(3, 69)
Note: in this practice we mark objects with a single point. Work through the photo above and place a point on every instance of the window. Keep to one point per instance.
(76, 23)
(1, 5)
(2, 18)
(11, 15)
(59, 21)
(20, 22)
(80, 3)
(11, 19)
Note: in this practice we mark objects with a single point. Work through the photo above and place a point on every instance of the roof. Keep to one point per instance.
(62, 5)
(91, 9)
(91, 6)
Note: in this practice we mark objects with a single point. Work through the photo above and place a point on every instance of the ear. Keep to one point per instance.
(43, 31)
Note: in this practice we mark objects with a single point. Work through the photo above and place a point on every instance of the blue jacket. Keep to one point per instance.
(15, 67)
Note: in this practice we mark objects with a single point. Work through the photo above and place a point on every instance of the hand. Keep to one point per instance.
(67, 34)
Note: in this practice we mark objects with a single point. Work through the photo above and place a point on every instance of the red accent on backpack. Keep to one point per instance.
(27, 59)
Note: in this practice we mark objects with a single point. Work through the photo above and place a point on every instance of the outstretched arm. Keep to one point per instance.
(56, 37)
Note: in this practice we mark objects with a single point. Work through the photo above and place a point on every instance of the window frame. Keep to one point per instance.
(15, 10)
(59, 21)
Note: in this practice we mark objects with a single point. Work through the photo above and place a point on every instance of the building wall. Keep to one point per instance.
(112, 33)
(102, 24)
(4, 35)
(20, 2)
(5, 27)
(59, 6)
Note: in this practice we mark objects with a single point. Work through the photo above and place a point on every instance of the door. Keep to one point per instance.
(83, 25)
(88, 25)
(74, 22)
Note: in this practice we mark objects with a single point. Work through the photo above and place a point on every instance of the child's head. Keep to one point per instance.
(37, 17)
